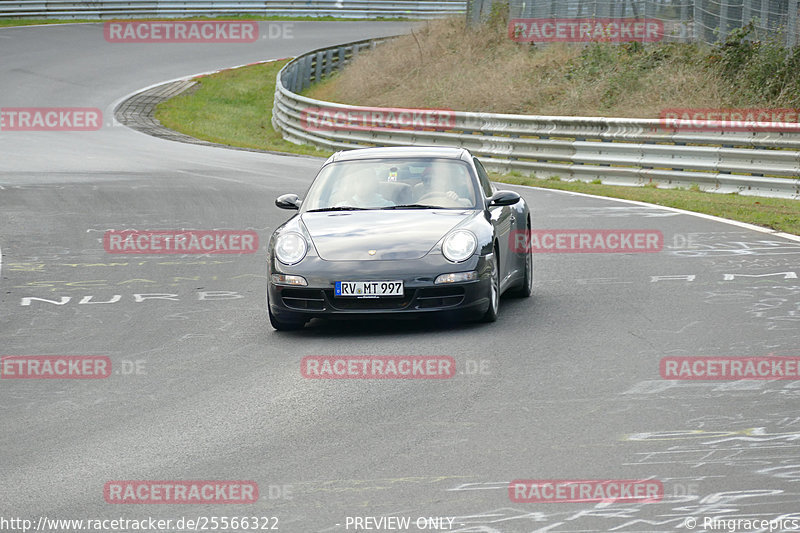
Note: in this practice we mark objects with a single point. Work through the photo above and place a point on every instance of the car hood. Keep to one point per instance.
(392, 235)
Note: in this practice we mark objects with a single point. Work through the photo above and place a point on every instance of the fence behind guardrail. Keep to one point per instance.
(706, 21)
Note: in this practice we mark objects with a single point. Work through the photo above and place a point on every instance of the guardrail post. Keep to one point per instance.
(305, 74)
(339, 58)
(328, 61)
(318, 67)
(292, 85)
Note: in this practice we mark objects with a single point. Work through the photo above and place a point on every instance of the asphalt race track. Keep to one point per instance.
(566, 385)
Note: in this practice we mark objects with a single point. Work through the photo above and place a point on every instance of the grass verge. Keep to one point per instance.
(775, 213)
(8, 23)
(234, 107)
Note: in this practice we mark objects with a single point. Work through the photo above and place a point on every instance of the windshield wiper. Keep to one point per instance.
(414, 206)
(343, 208)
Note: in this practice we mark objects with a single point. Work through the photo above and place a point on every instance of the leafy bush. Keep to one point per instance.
(762, 72)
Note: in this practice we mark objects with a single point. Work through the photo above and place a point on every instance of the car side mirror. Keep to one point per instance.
(288, 201)
(504, 198)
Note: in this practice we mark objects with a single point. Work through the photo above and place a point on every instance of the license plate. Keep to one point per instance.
(362, 289)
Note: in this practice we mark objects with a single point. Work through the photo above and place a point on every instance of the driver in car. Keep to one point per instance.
(440, 182)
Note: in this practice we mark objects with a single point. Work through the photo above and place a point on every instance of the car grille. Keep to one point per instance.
(440, 297)
(319, 300)
(370, 303)
(306, 299)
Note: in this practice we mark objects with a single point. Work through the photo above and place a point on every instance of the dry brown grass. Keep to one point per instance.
(445, 65)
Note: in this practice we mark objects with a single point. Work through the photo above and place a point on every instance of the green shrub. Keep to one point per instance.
(759, 70)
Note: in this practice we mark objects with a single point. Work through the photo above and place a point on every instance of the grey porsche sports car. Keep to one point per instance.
(397, 231)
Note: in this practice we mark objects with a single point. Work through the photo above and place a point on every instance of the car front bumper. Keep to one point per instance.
(421, 295)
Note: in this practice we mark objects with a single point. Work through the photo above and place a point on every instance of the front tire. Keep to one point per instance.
(525, 289)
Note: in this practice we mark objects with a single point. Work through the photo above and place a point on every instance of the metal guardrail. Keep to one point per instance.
(615, 150)
(69, 9)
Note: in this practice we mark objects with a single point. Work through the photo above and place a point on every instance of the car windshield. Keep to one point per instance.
(423, 183)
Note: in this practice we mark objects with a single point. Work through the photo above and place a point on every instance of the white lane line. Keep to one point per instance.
(745, 225)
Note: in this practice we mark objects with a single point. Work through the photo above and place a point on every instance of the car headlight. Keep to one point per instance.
(459, 245)
(290, 248)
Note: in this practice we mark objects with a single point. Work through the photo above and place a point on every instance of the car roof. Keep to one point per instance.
(401, 152)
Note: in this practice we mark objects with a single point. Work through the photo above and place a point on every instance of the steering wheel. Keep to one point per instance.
(435, 194)
(449, 202)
